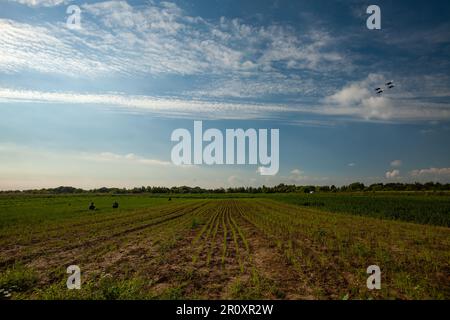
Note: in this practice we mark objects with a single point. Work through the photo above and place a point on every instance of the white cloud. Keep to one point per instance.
(100, 157)
(208, 108)
(124, 41)
(359, 100)
(174, 107)
(242, 60)
(265, 85)
(155, 39)
(235, 181)
(41, 3)
(310, 123)
(298, 176)
(25, 47)
(350, 95)
(312, 51)
(33, 167)
(427, 131)
(431, 172)
(129, 158)
(392, 174)
(396, 163)
(352, 164)
(359, 97)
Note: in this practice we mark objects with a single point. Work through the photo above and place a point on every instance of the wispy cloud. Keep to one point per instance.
(296, 172)
(298, 176)
(431, 172)
(263, 86)
(47, 49)
(41, 3)
(159, 38)
(129, 158)
(396, 163)
(242, 66)
(26, 166)
(95, 157)
(215, 109)
(173, 107)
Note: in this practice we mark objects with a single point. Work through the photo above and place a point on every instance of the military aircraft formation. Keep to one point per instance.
(388, 85)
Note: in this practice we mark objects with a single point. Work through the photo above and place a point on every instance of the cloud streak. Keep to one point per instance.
(215, 109)
(41, 3)
(396, 163)
(431, 172)
(172, 107)
(130, 158)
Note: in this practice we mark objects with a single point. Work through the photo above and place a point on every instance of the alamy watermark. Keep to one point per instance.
(374, 280)
(74, 280)
(373, 22)
(231, 151)
(73, 21)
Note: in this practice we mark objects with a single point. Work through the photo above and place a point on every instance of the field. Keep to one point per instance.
(225, 246)
(425, 208)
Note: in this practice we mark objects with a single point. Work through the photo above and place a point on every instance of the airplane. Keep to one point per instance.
(389, 85)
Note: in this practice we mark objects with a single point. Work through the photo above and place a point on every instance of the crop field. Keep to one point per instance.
(233, 247)
(424, 208)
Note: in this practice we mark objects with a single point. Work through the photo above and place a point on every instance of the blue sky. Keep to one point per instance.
(96, 106)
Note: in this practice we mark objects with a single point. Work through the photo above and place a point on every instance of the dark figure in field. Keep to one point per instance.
(115, 205)
(92, 206)
(170, 199)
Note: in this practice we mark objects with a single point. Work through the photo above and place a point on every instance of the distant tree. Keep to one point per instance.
(356, 186)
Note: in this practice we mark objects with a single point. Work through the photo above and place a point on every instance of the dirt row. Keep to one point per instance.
(202, 249)
(228, 257)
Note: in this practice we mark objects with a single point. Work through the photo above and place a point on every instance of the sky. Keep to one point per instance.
(96, 105)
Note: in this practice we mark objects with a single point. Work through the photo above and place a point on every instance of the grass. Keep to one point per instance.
(16, 279)
(265, 247)
(104, 288)
(20, 210)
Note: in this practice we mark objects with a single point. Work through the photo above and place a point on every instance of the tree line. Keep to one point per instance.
(281, 188)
